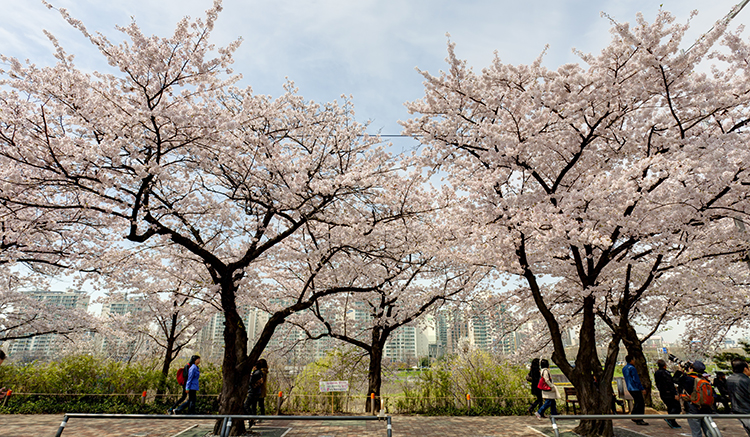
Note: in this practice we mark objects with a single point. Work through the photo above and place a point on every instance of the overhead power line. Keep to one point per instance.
(729, 17)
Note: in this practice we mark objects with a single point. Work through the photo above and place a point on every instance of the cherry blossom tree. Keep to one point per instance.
(36, 245)
(378, 316)
(168, 151)
(598, 176)
(403, 273)
(22, 316)
(165, 300)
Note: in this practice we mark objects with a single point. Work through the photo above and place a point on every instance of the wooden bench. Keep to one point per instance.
(571, 397)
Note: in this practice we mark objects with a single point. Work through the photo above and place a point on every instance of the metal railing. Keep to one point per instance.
(713, 429)
(226, 419)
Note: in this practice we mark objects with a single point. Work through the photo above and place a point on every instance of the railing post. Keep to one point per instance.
(229, 427)
(554, 426)
(389, 432)
(712, 426)
(278, 404)
(223, 427)
(62, 426)
(372, 403)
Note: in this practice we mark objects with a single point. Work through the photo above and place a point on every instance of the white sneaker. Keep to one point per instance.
(538, 416)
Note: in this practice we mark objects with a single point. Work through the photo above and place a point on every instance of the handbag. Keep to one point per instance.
(543, 385)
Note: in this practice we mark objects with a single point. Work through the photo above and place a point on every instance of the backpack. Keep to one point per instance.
(182, 374)
(703, 393)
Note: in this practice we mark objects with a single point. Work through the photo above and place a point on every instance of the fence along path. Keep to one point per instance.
(226, 419)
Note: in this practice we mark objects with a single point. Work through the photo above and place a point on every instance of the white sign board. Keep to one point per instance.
(329, 386)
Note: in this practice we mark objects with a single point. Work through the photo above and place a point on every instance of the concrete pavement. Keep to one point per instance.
(418, 426)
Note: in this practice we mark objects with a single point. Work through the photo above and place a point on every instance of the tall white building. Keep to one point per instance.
(407, 344)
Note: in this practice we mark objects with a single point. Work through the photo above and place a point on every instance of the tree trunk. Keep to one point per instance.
(234, 367)
(234, 389)
(168, 358)
(162, 387)
(594, 398)
(374, 374)
(593, 383)
(634, 346)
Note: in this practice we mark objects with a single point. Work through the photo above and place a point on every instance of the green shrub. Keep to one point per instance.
(496, 388)
(88, 384)
(337, 365)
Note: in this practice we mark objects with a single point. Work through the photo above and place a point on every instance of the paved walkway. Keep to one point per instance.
(444, 426)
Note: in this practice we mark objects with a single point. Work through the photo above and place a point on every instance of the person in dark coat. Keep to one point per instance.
(721, 392)
(667, 392)
(254, 392)
(172, 409)
(738, 386)
(533, 378)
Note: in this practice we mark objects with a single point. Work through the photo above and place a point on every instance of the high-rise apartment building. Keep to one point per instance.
(120, 348)
(42, 346)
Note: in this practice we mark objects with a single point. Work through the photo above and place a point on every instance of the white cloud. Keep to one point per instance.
(367, 48)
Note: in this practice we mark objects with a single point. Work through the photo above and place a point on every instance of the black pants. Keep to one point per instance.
(182, 398)
(639, 405)
(672, 404)
(537, 402)
(252, 404)
(190, 404)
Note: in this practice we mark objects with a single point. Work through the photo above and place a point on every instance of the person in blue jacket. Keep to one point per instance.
(191, 386)
(633, 383)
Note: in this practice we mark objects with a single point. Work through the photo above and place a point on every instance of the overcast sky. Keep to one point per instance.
(365, 48)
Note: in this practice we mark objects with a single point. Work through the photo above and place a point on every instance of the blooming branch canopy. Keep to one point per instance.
(610, 177)
(168, 151)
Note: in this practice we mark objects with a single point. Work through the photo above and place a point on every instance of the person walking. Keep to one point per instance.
(549, 392)
(533, 378)
(698, 393)
(191, 386)
(264, 386)
(3, 390)
(636, 389)
(721, 392)
(738, 386)
(184, 375)
(667, 392)
(255, 390)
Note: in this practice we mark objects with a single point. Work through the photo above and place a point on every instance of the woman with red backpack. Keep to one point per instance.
(182, 375)
(191, 385)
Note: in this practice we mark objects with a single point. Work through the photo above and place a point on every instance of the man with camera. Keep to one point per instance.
(698, 393)
(738, 385)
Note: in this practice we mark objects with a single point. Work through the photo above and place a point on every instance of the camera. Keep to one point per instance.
(679, 362)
